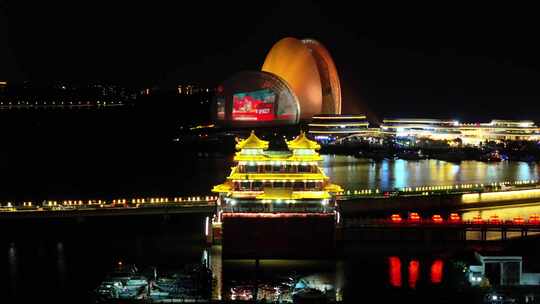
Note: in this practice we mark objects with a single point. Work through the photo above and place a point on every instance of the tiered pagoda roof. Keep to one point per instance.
(256, 153)
(252, 142)
(302, 142)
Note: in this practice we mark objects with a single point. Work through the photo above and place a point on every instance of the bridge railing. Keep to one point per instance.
(138, 202)
(436, 220)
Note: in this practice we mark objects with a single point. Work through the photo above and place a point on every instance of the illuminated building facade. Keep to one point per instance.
(62, 95)
(272, 189)
(330, 127)
(256, 98)
(277, 181)
(298, 80)
(436, 129)
(308, 68)
(498, 130)
(190, 89)
(469, 133)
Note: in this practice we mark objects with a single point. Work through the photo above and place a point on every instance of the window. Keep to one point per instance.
(257, 186)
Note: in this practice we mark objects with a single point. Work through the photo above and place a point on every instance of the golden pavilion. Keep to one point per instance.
(277, 181)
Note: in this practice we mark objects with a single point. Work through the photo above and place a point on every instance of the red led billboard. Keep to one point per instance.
(254, 106)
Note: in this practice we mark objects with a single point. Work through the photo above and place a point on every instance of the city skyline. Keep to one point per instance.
(270, 152)
(466, 64)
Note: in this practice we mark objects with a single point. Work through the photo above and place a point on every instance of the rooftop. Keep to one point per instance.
(302, 142)
(252, 142)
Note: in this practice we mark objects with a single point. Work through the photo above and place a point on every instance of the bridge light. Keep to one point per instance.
(494, 219)
(534, 219)
(518, 220)
(477, 220)
(414, 217)
(436, 218)
(454, 217)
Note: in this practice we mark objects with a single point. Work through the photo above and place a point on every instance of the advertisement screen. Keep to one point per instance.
(254, 106)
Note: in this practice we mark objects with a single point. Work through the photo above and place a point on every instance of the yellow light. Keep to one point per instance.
(500, 196)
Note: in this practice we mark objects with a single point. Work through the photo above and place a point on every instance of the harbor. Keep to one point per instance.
(126, 282)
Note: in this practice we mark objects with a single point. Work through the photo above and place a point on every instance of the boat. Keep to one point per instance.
(411, 155)
(494, 156)
(123, 283)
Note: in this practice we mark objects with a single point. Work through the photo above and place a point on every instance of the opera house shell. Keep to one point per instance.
(298, 80)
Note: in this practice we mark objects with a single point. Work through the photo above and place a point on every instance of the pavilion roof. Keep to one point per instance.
(252, 142)
(302, 142)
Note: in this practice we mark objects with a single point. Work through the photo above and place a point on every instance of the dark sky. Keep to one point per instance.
(463, 62)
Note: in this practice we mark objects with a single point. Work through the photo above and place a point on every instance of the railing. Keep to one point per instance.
(139, 202)
(394, 221)
(439, 189)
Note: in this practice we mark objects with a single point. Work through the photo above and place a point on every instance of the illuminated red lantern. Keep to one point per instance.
(436, 218)
(477, 220)
(396, 218)
(534, 219)
(518, 220)
(454, 218)
(494, 219)
(414, 217)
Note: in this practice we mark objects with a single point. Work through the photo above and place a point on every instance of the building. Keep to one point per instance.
(500, 270)
(327, 128)
(437, 129)
(256, 98)
(63, 96)
(298, 80)
(271, 188)
(498, 130)
(190, 89)
(306, 65)
(468, 133)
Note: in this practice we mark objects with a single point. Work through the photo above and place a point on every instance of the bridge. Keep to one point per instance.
(112, 207)
(352, 226)
(349, 201)
(430, 190)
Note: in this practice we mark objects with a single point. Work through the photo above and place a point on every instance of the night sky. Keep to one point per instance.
(467, 63)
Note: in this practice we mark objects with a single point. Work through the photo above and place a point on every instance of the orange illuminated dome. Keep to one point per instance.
(307, 67)
(298, 80)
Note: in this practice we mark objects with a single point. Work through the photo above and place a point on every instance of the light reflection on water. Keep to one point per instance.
(12, 262)
(414, 271)
(61, 264)
(72, 263)
(277, 279)
(355, 173)
(273, 280)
